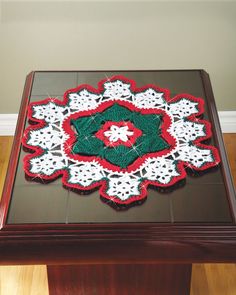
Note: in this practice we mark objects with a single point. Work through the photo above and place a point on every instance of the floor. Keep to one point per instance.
(207, 279)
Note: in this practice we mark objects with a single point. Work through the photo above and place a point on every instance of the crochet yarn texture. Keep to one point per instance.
(119, 138)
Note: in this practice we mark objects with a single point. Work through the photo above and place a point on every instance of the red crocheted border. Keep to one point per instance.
(37, 151)
(142, 187)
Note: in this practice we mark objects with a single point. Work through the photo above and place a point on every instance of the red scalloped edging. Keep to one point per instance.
(38, 124)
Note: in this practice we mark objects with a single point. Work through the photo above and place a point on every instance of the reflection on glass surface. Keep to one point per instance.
(202, 199)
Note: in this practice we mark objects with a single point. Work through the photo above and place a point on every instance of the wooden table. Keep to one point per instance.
(92, 249)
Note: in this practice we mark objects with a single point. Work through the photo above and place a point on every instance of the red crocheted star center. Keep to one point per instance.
(118, 133)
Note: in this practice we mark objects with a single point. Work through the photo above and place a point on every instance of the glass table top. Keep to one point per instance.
(201, 199)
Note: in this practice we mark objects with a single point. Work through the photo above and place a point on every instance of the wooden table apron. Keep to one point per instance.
(117, 258)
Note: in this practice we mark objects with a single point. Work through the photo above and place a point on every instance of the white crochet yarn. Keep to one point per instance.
(123, 186)
(49, 137)
(85, 174)
(50, 113)
(83, 100)
(48, 163)
(116, 90)
(118, 133)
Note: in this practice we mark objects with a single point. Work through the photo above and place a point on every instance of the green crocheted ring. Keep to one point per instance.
(88, 144)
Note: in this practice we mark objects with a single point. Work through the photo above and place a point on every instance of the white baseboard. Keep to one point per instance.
(8, 123)
(228, 121)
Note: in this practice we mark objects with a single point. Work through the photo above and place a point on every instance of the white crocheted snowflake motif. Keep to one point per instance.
(115, 133)
(118, 138)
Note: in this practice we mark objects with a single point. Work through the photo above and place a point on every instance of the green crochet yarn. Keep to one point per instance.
(89, 145)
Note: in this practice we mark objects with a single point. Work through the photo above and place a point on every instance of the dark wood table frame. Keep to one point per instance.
(153, 258)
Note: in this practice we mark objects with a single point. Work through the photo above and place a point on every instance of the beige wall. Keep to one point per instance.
(94, 35)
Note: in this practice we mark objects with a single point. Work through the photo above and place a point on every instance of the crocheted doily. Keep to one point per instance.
(119, 138)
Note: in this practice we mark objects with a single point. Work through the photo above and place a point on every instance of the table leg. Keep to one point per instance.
(120, 279)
